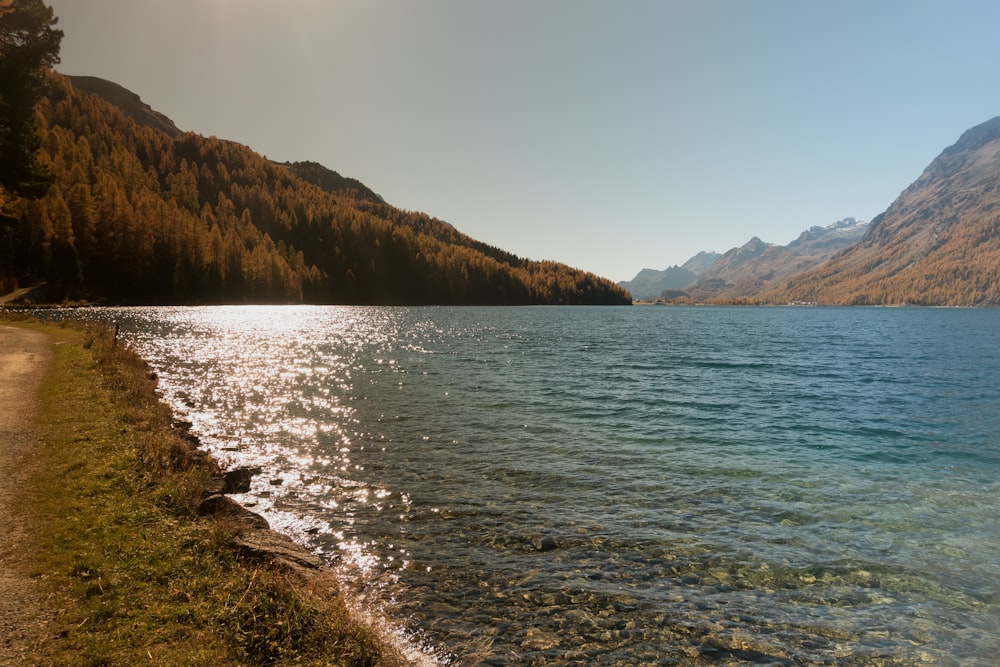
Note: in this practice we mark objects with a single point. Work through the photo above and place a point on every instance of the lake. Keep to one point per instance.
(608, 486)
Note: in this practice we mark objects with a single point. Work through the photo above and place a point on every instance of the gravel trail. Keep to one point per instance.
(24, 358)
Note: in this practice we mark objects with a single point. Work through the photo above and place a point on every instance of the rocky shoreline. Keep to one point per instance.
(150, 555)
(257, 542)
(255, 539)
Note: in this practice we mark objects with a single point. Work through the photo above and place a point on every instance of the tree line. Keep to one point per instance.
(134, 215)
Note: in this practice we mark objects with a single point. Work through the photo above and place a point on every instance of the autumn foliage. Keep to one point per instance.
(137, 215)
(938, 244)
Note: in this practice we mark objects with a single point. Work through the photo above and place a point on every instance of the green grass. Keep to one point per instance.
(137, 576)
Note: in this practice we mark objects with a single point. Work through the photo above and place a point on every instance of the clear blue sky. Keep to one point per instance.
(611, 136)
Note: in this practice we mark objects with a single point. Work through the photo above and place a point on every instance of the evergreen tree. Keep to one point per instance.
(29, 46)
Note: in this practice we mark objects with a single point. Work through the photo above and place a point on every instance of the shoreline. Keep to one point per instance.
(277, 572)
(592, 589)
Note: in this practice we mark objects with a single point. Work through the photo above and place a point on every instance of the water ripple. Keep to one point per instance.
(622, 486)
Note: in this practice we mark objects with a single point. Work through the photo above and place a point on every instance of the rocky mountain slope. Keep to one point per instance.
(745, 271)
(757, 266)
(653, 284)
(937, 244)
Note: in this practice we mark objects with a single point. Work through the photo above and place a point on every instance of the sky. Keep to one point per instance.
(611, 136)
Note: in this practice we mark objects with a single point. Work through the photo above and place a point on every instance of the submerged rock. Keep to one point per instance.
(544, 543)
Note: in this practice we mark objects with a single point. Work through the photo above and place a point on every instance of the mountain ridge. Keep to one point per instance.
(142, 213)
(130, 104)
(938, 243)
(331, 181)
(741, 272)
(134, 108)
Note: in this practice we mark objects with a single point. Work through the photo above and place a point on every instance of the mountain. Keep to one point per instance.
(134, 108)
(652, 284)
(331, 181)
(744, 272)
(741, 273)
(701, 262)
(937, 244)
(128, 102)
(143, 213)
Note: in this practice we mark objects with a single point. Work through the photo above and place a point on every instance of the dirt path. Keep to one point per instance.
(24, 357)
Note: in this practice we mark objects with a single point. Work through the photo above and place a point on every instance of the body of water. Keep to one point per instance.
(614, 486)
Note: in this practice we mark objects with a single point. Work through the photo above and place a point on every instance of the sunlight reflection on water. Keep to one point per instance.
(271, 388)
(817, 485)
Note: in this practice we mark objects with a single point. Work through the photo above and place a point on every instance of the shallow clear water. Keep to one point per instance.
(622, 485)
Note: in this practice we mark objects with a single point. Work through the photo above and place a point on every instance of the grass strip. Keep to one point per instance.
(138, 577)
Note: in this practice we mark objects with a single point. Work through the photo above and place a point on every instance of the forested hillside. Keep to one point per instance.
(141, 215)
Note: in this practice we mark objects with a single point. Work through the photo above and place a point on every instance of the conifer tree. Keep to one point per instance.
(29, 46)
